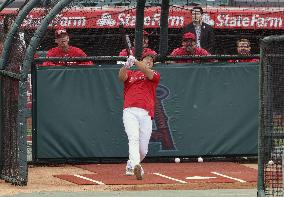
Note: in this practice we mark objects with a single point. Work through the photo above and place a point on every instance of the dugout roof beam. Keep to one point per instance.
(163, 46)
(139, 26)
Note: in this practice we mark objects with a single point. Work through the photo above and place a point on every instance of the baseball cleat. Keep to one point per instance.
(138, 171)
(129, 171)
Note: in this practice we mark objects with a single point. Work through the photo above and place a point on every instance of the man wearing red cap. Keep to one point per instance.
(139, 103)
(63, 49)
(125, 52)
(188, 48)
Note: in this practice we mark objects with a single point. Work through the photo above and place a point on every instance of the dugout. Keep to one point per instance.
(108, 42)
(94, 27)
(96, 31)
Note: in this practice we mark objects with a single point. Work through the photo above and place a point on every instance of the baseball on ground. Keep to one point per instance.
(177, 160)
(200, 159)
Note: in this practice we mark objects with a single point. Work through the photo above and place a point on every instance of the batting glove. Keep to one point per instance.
(131, 59)
(127, 64)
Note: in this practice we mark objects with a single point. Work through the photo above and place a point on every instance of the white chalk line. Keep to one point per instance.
(88, 179)
(171, 178)
(229, 177)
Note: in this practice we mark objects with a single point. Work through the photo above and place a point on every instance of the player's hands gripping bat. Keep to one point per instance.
(130, 61)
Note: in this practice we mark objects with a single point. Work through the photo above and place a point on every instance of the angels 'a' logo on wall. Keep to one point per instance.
(162, 132)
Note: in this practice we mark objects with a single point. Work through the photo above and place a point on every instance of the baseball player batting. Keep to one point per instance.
(139, 100)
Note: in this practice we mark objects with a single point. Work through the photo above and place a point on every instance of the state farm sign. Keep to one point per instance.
(63, 21)
(253, 21)
(151, 20)
(129, 20)
(178, 18)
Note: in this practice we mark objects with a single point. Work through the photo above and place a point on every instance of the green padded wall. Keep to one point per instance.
(202, 109)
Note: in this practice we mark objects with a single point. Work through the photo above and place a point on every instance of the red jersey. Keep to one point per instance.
(72, 52)
(182, 52)
(124, 52)
(139, 91)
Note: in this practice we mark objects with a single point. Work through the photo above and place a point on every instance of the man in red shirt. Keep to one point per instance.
(125, 52)
(244, 48)
(188, 47)
(65, 50)
(139, 102)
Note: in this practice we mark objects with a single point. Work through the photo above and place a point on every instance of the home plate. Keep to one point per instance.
(200, 177)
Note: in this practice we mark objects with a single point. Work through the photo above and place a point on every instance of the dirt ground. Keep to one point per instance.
(41, 178)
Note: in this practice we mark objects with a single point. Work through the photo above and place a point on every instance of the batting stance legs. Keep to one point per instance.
(138, 127)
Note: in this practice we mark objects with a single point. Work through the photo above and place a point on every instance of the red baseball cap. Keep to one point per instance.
(151, 53)
(189, 35)
(60, 32)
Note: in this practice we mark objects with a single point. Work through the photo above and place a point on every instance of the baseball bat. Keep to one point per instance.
(126, 39)
(128, 42)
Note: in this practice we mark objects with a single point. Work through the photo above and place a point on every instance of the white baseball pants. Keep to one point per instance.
(138, 127)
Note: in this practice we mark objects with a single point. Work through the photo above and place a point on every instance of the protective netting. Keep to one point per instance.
(9, 131)
(13, 156)
(272, 115)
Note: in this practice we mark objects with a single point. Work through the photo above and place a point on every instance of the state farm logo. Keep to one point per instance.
(72, 21)
(64, 21)
(255, 20)
(106, 20)
(207, 19)
(32, 21)
(151, 20)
